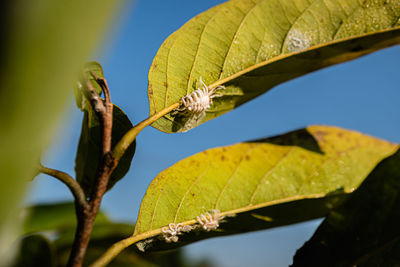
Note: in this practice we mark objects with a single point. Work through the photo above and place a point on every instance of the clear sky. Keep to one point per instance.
(362, 95)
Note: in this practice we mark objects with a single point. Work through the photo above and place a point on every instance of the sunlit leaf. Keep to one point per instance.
(89, 149)
(364, 230)
(265, 183)
(251, 46)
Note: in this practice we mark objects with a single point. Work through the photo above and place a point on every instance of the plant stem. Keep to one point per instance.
(130, 136)
(87, 215)
(73, 186)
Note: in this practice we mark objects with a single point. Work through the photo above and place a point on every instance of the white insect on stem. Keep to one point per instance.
(210, 220)
(171, 232)
(142, 245)
(200, 99)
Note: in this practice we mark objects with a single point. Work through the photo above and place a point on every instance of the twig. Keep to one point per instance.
(109, 160)
(87, 215)
(130, 136)
(106, 114)
(73, 186)
(116, 248)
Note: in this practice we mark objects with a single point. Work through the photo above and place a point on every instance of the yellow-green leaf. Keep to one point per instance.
(251, 46)
(265, 183)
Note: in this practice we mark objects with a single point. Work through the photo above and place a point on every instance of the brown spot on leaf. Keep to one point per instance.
(247, 157)
(223, 158)
(319, 135)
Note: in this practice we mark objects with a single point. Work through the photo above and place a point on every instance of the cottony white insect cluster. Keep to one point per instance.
(210, 220)
(170, 233)
(207, 221)
(200, 99)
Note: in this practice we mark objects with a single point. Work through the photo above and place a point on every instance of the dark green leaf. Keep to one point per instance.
(35, 251)
(103, 232)
(89, 149)
(106, 234)
(364, 230)
(53, 217)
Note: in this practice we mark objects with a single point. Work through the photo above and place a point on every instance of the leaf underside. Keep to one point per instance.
(364, 230)
(265, 183)
(250, 46)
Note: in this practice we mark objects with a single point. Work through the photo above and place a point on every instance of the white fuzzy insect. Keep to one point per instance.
(142, 245)
(171, 232)
(195, 105)
(210, 220)
(200, 99)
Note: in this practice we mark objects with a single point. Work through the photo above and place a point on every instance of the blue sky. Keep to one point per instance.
(362, 95)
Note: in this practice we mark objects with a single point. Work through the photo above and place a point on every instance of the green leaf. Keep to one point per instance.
(86, 74)
(250, 46)
(53, 217)
(364, 230)
(89, 149)
(103, 232)
(35, 250)
(265, 183)
(43, 45)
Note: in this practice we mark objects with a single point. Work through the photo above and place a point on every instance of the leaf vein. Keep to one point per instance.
(197, 51)
(234, 37)
(188, 190)
(267, 173)
(233, 174)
